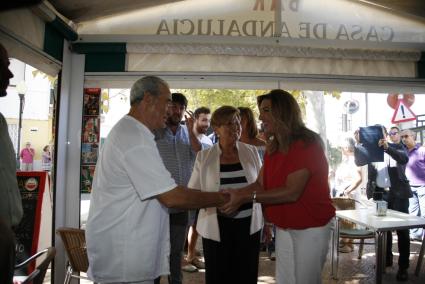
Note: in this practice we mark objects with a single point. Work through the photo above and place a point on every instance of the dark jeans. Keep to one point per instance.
(402, 205)
(235, 258)
(178, 232)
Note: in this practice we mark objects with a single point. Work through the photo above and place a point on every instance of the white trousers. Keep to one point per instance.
(26, 167)
(301, 254)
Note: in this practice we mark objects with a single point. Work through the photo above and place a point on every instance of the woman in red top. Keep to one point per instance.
(293, 186)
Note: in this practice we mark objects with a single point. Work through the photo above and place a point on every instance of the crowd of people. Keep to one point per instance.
(160, 181)
(285, 176)
(398, 179)
(152, 168)
(387, 181)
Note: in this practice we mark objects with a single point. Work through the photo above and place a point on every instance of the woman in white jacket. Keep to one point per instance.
(230, 242)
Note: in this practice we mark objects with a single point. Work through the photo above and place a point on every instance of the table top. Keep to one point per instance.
(394, 220)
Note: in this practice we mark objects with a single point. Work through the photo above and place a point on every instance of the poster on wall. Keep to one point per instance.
(89, 152)
(91, 101)
(90, 137)
(87, 173)
(91, 130)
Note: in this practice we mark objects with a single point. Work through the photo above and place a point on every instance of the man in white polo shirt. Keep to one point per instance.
(128, 225)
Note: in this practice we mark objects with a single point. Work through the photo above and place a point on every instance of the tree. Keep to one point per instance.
(315, 112)
(214, 98)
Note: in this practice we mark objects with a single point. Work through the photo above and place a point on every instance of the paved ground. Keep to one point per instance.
(351, 270)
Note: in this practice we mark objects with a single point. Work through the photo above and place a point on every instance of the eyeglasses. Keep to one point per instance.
(404, 136)
(392, 133)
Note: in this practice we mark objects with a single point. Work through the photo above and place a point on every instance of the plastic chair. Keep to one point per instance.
(37, 276)
(349, 230)
(74, 241)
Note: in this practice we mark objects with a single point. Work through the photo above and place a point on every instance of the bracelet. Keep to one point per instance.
(254, 196)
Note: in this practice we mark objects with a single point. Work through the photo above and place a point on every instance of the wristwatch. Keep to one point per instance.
(254, 196)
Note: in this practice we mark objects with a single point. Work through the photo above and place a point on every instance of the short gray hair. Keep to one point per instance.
(149, 84)
(408, 132)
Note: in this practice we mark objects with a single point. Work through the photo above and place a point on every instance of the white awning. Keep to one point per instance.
(22, 34)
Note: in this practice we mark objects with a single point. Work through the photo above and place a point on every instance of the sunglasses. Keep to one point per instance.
(392, 133)
(405, 136)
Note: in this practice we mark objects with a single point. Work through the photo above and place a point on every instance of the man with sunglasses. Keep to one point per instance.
(415, 172)
(394, 135)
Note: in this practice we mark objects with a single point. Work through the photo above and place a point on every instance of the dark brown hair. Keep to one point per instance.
(200, 110)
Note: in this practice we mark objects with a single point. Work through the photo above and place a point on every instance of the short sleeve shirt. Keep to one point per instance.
(128, 228)
(27, 156)
(314, 207)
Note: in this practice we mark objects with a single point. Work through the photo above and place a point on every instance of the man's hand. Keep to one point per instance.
(234, 202)
(225, 197)
(383, 143)
(194, 141)
(190, 120)
(357, 136)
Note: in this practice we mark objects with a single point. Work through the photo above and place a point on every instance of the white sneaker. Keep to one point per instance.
(189, 268)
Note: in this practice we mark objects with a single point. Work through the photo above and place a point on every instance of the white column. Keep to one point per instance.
(67, 195)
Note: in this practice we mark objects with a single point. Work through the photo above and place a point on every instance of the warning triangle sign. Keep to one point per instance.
(402, 113)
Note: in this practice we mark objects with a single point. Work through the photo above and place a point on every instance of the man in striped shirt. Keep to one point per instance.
(178, 145)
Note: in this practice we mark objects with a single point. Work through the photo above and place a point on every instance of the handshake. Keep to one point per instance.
(232, 200)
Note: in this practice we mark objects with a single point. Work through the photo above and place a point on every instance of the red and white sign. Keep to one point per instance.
(402, 113)
(31, 184)
(392, 99)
